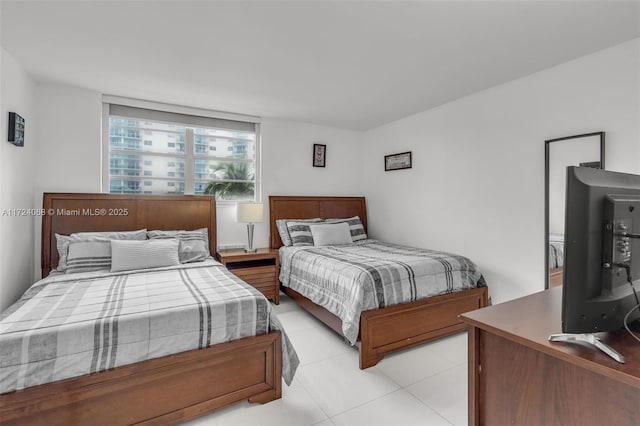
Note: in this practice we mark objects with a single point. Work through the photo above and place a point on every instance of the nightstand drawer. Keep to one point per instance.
(266, 289)
(259, 269)
(255, 274)
(263, 278)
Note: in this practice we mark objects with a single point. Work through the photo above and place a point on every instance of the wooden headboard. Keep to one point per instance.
(69, 213)
(300, 207)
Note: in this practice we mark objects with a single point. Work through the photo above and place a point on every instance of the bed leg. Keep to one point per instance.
(367, 360)
(273, 373)
(268, 396)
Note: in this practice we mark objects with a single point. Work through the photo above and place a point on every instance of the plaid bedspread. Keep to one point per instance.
(369, 274)
(556, 250)
(69, 325)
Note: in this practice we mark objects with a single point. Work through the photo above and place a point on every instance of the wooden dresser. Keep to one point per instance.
(260, 269)
(518, 377)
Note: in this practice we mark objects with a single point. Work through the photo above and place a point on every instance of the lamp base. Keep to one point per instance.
(250, 249)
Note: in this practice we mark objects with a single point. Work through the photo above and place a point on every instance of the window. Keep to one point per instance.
(175, 153)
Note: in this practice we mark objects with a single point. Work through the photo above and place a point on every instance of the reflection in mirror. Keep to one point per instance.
(586, 150)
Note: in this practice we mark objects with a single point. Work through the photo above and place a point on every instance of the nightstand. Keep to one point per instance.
(260, 269)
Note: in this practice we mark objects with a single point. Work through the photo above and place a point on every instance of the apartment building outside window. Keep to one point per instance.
(159, 152)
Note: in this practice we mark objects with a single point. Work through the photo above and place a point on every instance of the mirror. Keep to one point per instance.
(586, 150)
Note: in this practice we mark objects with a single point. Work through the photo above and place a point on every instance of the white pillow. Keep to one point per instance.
(331, 234)
(128, 255)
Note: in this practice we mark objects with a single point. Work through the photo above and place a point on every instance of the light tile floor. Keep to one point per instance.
(425, 385)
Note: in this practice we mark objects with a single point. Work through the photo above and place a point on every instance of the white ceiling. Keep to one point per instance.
(354, 65)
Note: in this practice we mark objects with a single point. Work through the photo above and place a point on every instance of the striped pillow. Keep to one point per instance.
(130, 255)
(63, 241)
(281, 224)
(355, 227)
(194, 245)
(300, 233)
(85, 256)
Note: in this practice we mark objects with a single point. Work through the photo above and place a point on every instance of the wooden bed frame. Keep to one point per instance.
(556, 276)
(383, 330)
(164, 390)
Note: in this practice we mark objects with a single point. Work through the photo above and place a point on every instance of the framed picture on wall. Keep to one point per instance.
(591, 164)
(16, 129)
(319, 155)
(397, 161)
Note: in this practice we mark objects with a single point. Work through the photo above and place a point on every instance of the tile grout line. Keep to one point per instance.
(365, 403)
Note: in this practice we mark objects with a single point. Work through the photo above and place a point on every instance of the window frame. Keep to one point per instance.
(190, 156)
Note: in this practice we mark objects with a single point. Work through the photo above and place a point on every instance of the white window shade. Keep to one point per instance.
(172, 117)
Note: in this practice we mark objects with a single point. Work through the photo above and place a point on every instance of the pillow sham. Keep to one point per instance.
(139, 234)
(193, 247)
(300, 233)
(330, 234)
(355, 227)
(85, 256)
(130, 255)
(281, 225)
(63, 241)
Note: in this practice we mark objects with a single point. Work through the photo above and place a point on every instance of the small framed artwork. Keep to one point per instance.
(16, 129)
(591, 164)
(397, 161)
(319, 155)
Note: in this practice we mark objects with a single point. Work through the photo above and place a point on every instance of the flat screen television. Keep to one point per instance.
(602, 251)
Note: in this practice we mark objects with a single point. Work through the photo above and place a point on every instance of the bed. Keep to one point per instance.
(385, 329)
(167, 387)
(556, 259)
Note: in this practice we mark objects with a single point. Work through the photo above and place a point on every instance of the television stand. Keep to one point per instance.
(635, 326)
(591, 339)
(518, 377)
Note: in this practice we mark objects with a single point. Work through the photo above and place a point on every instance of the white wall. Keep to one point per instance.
(477, 182)
(70, 124)
(17, 165)
(286, 169)
(287, 154)
(563, 154)
(70, 158)
(69, 155)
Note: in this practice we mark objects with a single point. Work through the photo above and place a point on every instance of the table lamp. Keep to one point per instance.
(250, 213)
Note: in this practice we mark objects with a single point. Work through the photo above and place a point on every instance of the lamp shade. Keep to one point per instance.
(250, 212)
